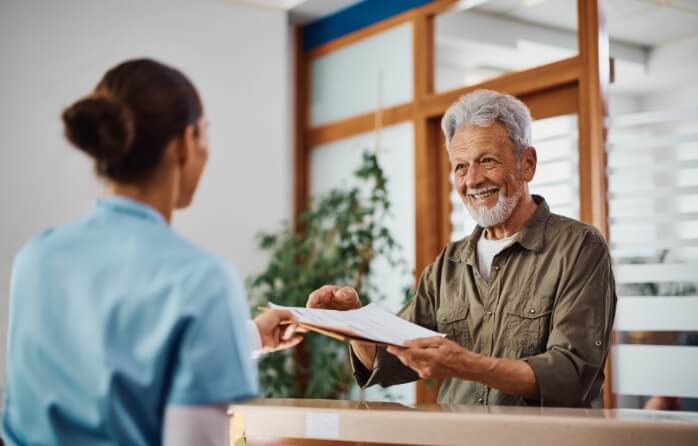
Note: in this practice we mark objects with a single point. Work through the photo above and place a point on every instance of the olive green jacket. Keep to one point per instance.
(550, 301)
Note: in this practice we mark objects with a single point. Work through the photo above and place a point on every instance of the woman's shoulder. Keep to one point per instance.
(40, 244)
(198, 267)
(153, 249)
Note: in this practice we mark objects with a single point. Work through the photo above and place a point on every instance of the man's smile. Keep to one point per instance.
(481, 195)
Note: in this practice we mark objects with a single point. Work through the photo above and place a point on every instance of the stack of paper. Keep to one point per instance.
(369, 324)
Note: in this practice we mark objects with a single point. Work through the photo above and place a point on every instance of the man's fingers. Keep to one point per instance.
(400, 352)
(347, 294)
(412, 354)
(322, 297)
(394, 350)
(430, 342)
(333, 297)
(347, 298)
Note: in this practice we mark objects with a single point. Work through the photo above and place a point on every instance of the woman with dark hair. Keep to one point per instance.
(118, 326)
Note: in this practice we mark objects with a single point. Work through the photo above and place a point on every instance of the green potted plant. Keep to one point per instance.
(341, 234)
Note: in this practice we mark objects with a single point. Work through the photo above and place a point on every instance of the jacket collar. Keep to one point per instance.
(531, 236)
(122, 205)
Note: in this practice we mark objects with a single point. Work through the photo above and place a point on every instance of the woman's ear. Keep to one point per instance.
(187, 143)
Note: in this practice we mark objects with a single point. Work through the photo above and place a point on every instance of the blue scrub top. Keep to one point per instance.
(112, 318)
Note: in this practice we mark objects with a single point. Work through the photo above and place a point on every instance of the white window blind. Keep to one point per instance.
(653, 220)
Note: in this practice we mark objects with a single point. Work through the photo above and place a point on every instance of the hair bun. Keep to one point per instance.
(100, 125)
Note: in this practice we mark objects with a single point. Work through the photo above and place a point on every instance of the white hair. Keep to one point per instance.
(483, 107)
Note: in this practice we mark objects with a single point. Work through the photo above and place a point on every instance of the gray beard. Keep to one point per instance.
(499, 213)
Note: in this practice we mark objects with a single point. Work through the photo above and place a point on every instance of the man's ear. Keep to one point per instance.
(529, 160)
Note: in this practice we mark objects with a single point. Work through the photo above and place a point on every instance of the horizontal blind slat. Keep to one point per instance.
(655, 218)
(657, 272)
(634, 165)
(656, 243)
(657, 313)
(632, 145)
(651, 117)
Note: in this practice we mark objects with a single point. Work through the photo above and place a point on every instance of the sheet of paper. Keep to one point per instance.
(370, 322)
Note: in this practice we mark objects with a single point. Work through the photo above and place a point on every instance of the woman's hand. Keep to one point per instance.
(277, 330)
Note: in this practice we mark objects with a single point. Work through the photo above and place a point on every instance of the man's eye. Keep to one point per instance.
(488, 162)
(459, 168)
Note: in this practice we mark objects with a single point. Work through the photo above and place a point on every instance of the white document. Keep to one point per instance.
(370, 322)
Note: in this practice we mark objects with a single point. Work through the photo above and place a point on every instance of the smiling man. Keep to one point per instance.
(527, 300)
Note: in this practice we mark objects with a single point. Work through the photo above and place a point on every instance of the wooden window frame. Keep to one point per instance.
(577, 84)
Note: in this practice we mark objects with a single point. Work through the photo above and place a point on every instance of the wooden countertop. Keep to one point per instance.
(358, 422)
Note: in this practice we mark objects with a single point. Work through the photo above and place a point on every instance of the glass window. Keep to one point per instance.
(372, 73)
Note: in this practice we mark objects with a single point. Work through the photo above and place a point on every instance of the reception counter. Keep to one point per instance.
(326, 422)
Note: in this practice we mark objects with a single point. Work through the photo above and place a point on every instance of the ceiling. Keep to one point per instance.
(310, 10)
(302, 12)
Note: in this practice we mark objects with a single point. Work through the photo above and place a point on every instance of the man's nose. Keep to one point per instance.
(473, 176)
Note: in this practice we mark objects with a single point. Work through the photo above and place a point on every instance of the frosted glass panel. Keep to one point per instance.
(652, 153)
(332, 165)
(661, 313)
(359, 78)
(656, 370)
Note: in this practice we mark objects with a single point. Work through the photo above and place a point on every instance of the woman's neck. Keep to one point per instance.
(159, 198)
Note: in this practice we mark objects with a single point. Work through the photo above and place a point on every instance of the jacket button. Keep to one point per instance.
(532, 310)
(597, 343)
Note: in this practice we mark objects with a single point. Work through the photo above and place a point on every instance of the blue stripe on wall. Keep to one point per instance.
(354, 18)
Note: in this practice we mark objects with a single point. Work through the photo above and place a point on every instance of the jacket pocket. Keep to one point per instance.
(453, 321)
(527, 326)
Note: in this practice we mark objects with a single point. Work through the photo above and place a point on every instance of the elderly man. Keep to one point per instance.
(527, 300)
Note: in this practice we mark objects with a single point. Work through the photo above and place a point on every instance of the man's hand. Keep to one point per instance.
(276, 330)
(331, 297)
(438, 357)
(434, 357)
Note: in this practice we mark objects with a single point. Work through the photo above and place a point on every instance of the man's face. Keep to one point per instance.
(489, 177)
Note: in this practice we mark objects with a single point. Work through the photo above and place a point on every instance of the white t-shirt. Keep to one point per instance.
(487, 249)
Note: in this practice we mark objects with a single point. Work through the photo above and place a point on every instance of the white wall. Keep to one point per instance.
(52, 52)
